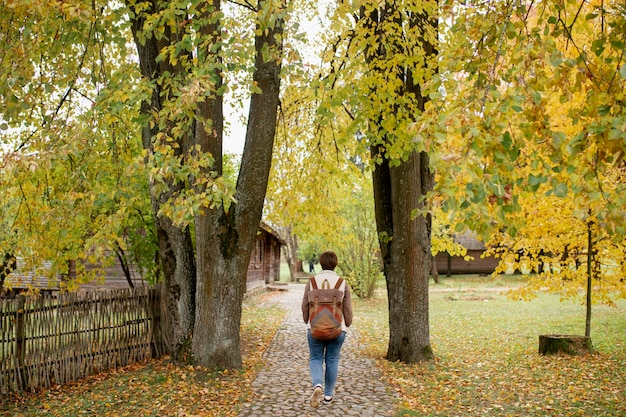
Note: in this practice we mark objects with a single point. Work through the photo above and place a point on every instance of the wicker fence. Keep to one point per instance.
(48, 341)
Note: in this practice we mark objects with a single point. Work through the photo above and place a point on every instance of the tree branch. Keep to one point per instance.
(68, 90)
(246, 4)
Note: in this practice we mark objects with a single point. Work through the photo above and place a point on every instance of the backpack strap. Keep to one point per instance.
(314, 283)
(338, 284)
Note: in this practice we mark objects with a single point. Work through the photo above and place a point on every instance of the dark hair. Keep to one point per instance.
(328, 260)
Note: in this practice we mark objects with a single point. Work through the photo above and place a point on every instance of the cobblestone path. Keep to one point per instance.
(283, 386)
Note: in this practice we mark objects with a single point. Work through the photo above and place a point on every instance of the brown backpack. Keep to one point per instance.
(325, 309)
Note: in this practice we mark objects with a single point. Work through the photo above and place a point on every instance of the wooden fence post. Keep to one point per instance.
(154, 303)
(20, 350)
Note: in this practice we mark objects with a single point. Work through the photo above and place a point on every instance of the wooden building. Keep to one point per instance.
(264, 268)
(450, 265)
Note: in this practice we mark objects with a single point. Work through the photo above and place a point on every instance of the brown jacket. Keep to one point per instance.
(332, 278)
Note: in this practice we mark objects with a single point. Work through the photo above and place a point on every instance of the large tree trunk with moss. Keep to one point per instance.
(176, 256)
(225, 239)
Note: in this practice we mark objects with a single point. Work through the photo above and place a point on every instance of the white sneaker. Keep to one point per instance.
(316, 398)
(327, 400)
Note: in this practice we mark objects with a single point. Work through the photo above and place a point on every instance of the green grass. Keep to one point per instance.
(477, 281)
(284, 272)
(486, 354)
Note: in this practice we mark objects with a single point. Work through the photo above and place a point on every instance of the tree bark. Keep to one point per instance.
(175, 255)
(225, 240)
(121, 256)
(8, 265)
(590, 259)
(433, 270)
(405, 248)
(398, 190)
(551, 344)
(291, 249)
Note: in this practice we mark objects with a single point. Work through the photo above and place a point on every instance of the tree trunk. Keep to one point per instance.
(433, 270)
(177, 265)
(224, 240)
(405, 247)
(590, 260)
(8, 265)
(398, 190)
(121, 256)
(175, 256)
(551, 344)
(291, 250)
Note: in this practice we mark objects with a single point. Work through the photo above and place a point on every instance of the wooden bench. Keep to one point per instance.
(302, 277)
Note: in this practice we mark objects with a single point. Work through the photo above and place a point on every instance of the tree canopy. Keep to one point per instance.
(503, 117)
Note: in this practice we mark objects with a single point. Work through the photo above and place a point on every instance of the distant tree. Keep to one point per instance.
(357, 241)
(564, 252)
(539, 157)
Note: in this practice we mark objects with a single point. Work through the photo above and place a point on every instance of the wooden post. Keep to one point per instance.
(20, 351)
(154, 306)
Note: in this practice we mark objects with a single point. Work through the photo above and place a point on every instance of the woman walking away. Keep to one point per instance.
(327, 311)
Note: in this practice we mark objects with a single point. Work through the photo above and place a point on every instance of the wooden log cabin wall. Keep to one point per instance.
(264, 268)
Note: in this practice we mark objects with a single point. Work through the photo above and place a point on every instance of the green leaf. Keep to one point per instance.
(560, 190)
(536, 179)
(617, 44)
(597, 46)
(507, 140)
(604, 110)
(536, 95)
(556, 59)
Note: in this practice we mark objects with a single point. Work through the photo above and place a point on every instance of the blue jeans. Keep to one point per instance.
(321, 352)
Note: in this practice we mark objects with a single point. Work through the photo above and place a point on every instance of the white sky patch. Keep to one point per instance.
(235, 116)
